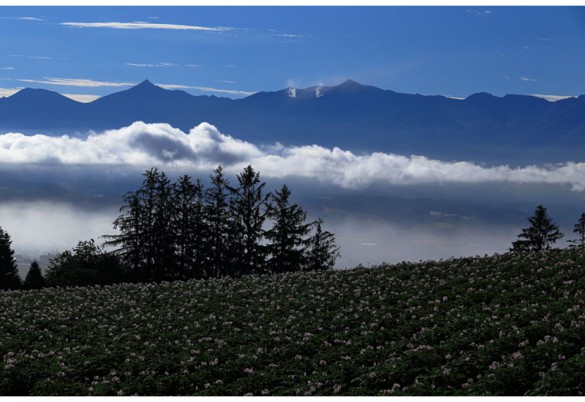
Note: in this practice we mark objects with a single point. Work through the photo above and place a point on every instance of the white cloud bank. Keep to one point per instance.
(553, 98)
(204, 147)
(83, 98)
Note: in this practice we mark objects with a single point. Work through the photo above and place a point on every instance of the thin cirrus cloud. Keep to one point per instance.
(30, 19)
(291, 36)
(203, 147)
(23, 18)
(144, 25)
(77, 82)
(479, 12)
(8, 91)
(208, 89)
(149, 65)
(34, 57)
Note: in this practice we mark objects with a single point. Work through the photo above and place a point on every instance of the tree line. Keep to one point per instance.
(9, 278)
(181, 230)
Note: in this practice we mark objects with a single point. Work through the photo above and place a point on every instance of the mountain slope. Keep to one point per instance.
(363, 118)
(39, 109)
(151, 104)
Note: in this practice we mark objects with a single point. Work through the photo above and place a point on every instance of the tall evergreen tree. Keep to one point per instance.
(9, 278)
(130, 241)
(579, 228)
(146, 241)
(322, 251)
(219, 225)
(182, 230)
(541, 233)
(286, 238)
(248, 213)
(34, 278)
(190, 228)
(147, 196)
(163, 236)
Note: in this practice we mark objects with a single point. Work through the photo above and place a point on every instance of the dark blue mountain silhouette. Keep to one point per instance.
(482, 127)
(37, 109)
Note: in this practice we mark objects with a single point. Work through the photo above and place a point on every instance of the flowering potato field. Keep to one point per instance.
(503, 325)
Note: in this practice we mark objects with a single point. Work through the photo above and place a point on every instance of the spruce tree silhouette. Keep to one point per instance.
(541, 233)
(9, 278)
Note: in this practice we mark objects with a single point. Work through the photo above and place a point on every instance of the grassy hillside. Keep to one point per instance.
(507, 324)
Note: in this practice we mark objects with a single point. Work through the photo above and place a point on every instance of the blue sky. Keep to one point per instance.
(235, 51)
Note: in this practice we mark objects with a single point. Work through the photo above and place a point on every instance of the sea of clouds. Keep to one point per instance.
(144, 145)
(57, 190)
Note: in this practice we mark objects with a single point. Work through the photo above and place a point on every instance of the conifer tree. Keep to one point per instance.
(287, 236)
(34, 278)
(579, 228)
(147, 196)
(321, 251)
(541, 233)
(163, 231)
(190, 228)
(9, 278)
(247, 207)
(219, 225)
(130, 241)
(182, 230)
(147, 241)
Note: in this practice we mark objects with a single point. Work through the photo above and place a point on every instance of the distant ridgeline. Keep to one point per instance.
(510, 129)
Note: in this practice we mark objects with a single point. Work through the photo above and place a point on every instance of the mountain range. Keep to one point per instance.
(513, 129)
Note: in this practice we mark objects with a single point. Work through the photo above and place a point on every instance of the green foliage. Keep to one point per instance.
(9, 278)
(540, 235)
(34, 278)
(510, 324)
(130, 241)
(147, 243)
(190, 228)
(287, 237)
(87, 264)
(579, 228)
(170, 231)
(219, 229)
(247, 208)
(322, 251)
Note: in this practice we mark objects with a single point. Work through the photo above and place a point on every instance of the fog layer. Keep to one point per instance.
(56, 191)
